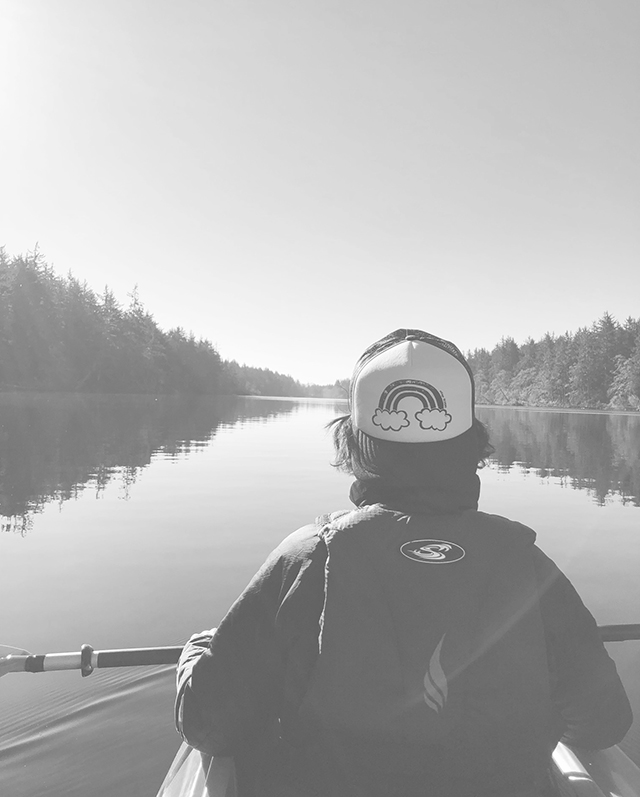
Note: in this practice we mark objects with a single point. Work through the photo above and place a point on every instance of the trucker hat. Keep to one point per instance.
(412, 387)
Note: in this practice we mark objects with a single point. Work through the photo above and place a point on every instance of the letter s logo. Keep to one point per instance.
(432, 551)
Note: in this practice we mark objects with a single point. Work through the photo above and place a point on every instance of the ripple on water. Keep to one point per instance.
(114, 739)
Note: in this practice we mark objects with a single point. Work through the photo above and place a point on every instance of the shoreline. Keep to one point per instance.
(577, 410)
(15, 391)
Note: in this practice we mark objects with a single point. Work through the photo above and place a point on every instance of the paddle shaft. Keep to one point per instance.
(88, 659)
(619, 633)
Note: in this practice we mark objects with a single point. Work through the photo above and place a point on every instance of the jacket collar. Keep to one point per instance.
(420, 499)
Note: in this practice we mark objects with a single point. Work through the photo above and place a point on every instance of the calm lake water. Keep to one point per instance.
(134, 521)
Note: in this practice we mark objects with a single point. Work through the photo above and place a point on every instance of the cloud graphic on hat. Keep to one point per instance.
(433, 414)
(390, 420)
(433, 419)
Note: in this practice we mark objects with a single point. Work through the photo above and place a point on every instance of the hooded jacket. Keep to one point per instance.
(401, 646)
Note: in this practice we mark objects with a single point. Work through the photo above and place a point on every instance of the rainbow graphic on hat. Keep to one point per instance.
(433, 414)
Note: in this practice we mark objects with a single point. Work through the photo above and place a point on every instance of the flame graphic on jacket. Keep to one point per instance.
(435, 682)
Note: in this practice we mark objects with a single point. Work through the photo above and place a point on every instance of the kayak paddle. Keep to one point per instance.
(89, 659)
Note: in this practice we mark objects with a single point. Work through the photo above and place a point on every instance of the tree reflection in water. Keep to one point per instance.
(53, 446)
(597, 452)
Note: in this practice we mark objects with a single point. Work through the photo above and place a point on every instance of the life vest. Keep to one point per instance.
(432, 658)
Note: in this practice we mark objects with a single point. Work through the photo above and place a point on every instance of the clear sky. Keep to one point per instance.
(293, 179)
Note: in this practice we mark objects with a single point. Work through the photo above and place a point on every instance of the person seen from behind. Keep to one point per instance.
(413, 645)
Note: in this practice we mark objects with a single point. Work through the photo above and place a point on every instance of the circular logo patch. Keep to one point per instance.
(436, 552)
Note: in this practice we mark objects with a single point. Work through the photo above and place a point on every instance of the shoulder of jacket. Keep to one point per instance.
(303, 541)
(331, 517)
(363, 519)
(300, 544)
(511, 529)
(306, 538)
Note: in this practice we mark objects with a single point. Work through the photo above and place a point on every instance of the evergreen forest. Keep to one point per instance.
(597, 367)
(56, 334)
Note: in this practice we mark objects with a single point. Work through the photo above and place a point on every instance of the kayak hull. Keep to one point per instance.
(194, 774)
(602, 773)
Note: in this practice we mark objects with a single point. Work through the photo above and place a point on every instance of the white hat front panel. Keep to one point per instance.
(413, 392)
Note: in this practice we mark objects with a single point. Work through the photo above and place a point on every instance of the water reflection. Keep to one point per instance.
(599, 453)
(52, 446)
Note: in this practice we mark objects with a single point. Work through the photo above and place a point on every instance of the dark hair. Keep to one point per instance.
(352, 458)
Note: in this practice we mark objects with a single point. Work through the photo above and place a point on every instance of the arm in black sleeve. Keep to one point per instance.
(585, 684)
(230, 683)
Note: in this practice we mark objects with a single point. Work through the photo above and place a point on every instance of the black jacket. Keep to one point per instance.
(252, 681)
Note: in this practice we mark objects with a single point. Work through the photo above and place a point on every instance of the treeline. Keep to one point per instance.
(597, 367)
(244, 380)
(57, 334)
